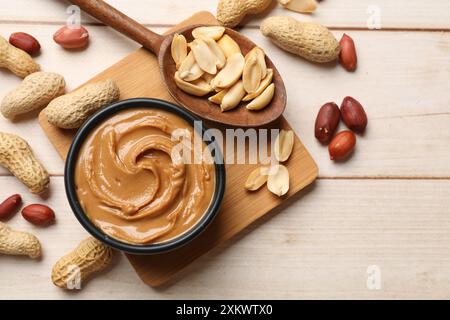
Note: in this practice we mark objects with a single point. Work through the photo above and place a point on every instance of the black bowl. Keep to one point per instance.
(69, 181)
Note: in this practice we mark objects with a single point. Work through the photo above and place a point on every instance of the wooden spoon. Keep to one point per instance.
(160, 45)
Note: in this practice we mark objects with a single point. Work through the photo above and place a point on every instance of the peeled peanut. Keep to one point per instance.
(251, 76)
(263, 99)
(178, 49)
(71, 110)
(35, 92)
(233, 97)
(38, 214)
(10, 206)
(89, 257)
(347, 56)
(302, 6)
(327, 121)
(25, 42)
(17, 156)
(189, 69)
(260, 57)
(278, 180)
(257, 178)
(262, 86)
(284, 145)
(213, 32)
(72, 37)
(215, 49)
(18, 243)
(15, 60)
(228, 46)
(198, 87)
(218, 97)
(342, 145)
(208, 78)
(204, 56)
(311, 41)
(230, 73)
(354, 115)
(231, 12)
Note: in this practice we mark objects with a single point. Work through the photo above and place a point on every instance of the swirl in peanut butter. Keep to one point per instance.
(131, 185)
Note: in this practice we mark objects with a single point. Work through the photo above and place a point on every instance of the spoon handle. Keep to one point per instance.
(122, 23)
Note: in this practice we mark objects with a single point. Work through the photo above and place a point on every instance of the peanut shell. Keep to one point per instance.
(71, 110)
(35, 92)
(15, 60)
(18, 243)
(311, 41)
(17, 156)
(231, 12)
(89, 257)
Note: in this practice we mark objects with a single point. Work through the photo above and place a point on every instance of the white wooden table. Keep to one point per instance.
(388, 207)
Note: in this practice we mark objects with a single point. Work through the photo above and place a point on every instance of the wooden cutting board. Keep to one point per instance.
(137, 75)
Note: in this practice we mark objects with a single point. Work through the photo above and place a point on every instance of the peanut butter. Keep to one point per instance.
(132, 187)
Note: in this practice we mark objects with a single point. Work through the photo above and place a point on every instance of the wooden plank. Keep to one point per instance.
(412, 14)
(319, 246)
(406, 96)
(401, 226)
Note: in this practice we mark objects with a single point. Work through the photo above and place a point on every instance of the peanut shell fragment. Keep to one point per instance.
(284, 144)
